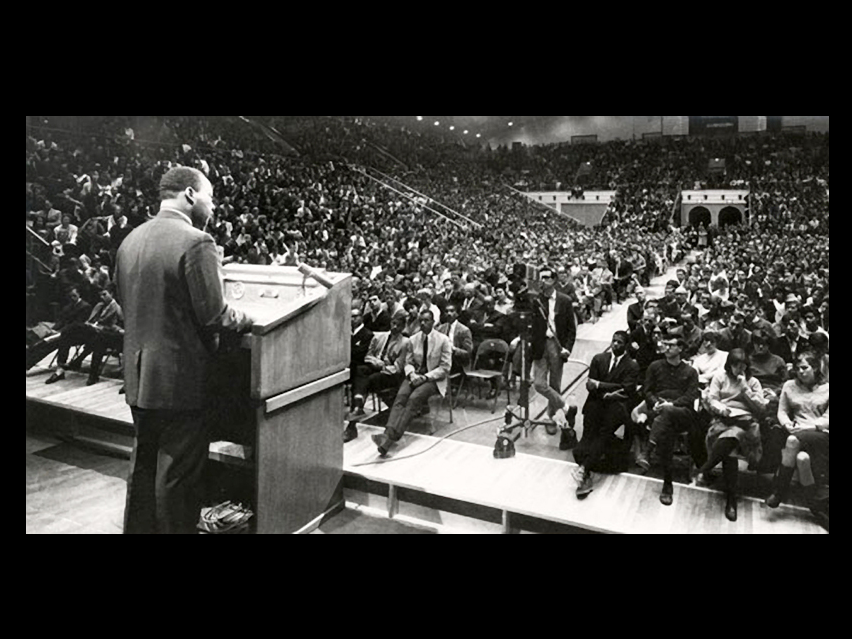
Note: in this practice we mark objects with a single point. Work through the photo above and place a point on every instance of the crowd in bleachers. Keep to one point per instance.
(315, 189)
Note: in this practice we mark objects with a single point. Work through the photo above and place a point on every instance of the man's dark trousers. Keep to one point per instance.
(165, 496)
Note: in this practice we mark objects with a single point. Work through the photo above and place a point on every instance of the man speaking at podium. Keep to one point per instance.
(167, 275)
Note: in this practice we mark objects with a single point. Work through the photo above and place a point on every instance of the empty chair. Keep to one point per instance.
(488, 364)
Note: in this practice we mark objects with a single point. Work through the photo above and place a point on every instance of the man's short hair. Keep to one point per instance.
(759, 337)
(623, 335)
(787, 318)
(818, 341)
(175, 181)
(431, 314)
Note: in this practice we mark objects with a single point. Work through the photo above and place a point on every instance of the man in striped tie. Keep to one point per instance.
(427, 364)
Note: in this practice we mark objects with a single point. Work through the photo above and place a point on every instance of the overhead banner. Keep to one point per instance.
(713, 124)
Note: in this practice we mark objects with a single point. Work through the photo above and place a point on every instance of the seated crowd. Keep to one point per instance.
(735, 354)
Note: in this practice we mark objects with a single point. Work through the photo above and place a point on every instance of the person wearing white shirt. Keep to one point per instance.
(502, 302)
(710, 360)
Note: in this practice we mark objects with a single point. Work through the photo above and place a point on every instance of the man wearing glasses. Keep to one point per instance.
(427, 364)
(671, 388)
(553, 335)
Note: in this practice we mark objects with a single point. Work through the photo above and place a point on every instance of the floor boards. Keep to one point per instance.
(544, 489)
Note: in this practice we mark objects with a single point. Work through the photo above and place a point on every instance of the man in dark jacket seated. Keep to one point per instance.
(670, 389)
(103, 332)
(71, 317)
(611, 385)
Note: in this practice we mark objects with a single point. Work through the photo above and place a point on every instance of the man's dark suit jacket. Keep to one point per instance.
(360, 345)
(635, 313)
(167, 277)
(781, 348)
(73, 314)
(668, 308)
(566, 329)
(646, 352)
(602, 418)
(441, 301)
(728, 342)
(500, 328)
(623, 377)
(377, 324)
(475, 312)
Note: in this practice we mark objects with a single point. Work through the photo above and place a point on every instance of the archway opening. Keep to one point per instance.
(730, 215)
(698, 216)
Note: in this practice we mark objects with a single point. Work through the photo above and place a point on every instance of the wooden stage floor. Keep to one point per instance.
(543, 489)
(534, 485)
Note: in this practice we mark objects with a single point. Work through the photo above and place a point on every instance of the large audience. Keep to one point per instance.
(418, 217)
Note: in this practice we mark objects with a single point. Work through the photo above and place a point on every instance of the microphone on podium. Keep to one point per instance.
(307, 271)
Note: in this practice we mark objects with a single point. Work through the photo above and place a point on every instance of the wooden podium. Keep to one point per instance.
(280, 392)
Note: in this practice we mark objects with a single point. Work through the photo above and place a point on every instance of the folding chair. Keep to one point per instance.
(488, 349)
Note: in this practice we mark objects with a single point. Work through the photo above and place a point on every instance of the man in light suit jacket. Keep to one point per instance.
(611, 385)
(167, 275)
(382, 371)
(427, 365)
(460, 338)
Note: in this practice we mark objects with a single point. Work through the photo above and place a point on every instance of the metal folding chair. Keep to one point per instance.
(488, 349)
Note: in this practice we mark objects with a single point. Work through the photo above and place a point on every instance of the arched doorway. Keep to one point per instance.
(698, 216)
(730, 215)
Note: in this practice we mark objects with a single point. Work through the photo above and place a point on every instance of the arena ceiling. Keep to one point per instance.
(545, 129)
(483, 127)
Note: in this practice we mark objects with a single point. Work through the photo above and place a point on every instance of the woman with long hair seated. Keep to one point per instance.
(803, 413)
(735, 399)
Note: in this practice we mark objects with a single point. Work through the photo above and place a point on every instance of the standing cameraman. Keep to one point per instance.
(553, 335)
